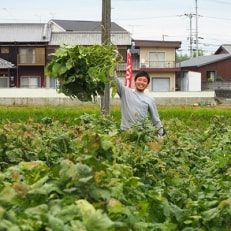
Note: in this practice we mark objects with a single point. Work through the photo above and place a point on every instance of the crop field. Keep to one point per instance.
(73, 169)
(185, 113)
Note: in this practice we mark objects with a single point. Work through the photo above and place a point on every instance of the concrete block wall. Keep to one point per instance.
(40, 97)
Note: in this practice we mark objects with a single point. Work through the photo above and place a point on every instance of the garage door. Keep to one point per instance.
(160, 84)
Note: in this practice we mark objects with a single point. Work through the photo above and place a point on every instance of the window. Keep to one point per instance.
(27, 55)
(53, 83)
(32, 55)
(4, 50)
(30, 81)
(211, 75)
(157, 59)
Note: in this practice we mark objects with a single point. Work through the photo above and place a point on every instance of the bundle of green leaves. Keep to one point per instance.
(82, 71)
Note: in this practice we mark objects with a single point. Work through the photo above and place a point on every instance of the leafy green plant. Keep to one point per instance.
(83, 71)
(87, 175)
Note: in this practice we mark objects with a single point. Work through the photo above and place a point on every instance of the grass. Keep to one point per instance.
(192, 116)
(23, 114)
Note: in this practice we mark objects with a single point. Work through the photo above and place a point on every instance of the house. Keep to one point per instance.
(84, 33)
(223, 49)
(158, 59)
(215, 71)
(24, 45)
(28, 46)
(5, 71)
(212, 67)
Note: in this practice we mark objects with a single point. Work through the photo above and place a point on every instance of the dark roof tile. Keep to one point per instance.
(204, 60)
(76, 25)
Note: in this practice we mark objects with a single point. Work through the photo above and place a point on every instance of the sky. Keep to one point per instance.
(169, 20)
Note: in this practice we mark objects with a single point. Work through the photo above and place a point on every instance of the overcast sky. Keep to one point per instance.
(145, 19)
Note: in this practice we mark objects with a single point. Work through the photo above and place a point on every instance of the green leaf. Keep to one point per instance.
(55, 223)
(210, 214)
(37, 212)
(114, 206)
(106, 144)
(100, 194)
(7, 194)
(97, 221)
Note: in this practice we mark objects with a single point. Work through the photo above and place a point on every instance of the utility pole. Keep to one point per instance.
(105, 39)
(196, 28)
(190, 36)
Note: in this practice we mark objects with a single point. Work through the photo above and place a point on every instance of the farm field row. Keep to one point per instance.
(67, 169)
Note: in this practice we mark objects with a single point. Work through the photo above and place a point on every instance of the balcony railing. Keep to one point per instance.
(122, 67)
(150, 64)
(159, 64)
(32, 60)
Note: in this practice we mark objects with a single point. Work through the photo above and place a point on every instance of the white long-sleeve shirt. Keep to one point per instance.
(135, 107)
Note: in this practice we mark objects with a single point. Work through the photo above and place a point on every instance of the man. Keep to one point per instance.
(135, 104)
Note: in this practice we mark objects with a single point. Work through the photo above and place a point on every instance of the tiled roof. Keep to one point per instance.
(24, 32)
(156, 43)
(85, 33)
(5, 64)
(204, 60)
(87, 38)
(85, 26)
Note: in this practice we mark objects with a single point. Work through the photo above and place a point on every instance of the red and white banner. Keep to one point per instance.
(128, 79)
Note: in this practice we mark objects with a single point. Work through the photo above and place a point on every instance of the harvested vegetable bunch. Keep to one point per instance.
(83, 71)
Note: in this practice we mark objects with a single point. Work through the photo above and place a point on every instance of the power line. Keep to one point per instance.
(228, 19)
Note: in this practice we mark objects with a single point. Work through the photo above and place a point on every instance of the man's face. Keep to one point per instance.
(141, 83)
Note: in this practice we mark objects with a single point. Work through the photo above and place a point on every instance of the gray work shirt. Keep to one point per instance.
(135, 107)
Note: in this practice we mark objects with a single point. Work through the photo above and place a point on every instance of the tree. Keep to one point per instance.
(200, 53)
(180, 57)
(183, 57)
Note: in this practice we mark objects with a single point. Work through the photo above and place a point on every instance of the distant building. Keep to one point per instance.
(27, 46)
(24, 45)
(215, 69)
(212, 67)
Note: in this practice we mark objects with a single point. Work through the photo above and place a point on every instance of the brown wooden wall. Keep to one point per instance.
(222, 69)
